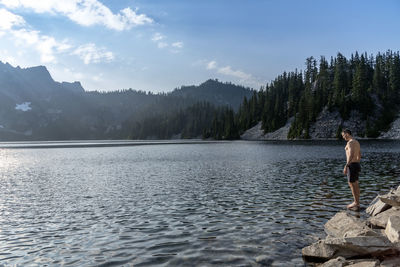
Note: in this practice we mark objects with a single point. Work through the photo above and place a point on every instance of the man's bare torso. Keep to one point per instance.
(353, 151)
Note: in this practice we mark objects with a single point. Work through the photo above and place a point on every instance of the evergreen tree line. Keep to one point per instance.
(190, 122)
(368, 84)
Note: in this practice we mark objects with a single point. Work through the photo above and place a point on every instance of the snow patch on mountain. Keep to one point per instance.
(24, 106)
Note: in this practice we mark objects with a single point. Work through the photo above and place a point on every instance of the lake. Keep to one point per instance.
(171, 204)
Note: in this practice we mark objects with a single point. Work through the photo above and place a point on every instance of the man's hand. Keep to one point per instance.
(345, 170)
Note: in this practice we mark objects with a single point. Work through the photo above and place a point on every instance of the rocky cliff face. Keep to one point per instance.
(327, 125)
(394, 131)
(256, 133)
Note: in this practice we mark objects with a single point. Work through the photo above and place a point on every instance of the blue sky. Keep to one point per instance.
(159, 45)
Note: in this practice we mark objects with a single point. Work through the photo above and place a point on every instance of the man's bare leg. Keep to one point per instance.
(355, 190)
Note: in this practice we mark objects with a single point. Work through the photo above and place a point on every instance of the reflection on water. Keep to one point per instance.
(172, 205)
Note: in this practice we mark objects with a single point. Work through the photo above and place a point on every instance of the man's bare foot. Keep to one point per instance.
(353, 205)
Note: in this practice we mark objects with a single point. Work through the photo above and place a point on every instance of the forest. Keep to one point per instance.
(366, 83)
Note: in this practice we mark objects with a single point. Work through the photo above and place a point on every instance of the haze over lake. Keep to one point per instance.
(211, 204)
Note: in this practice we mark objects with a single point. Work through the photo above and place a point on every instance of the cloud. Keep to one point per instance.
(227, 70)
(84, 12)
(162, 44)
(177, 44)
(6, 57)
(157, 37)
(8, 20)
(89, 53)
(45, 45)
(243, 77)
(235, 73)
(211, 65)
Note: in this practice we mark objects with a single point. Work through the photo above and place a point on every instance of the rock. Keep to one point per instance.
(376, 207)
(394, 131)
(392, 230)
(346, 225)
(257, 133)
(391, 262)
(254, 133)
(350, 247)
(281, 133)
(264, 260)
(381, 219)
(326, 124)
(393, 198)
(361, 232)
(364, 263)
(337, 262)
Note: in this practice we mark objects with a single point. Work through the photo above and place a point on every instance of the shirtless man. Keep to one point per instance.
(352, 167)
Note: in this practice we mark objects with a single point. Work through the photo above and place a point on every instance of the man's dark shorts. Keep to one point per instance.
(353, 171)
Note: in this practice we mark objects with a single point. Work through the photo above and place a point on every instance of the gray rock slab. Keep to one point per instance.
(336, 262)
(392, 230)
(381, 219)
(350, 247)
(365, 263)
(392, 199)
(344, 224)
(376, 207)
(391, 262)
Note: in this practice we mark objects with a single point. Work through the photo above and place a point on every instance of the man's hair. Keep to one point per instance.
(346, 131)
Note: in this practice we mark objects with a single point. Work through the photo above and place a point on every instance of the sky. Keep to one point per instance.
(160, 45)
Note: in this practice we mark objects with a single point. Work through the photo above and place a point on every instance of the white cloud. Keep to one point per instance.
(235, 73)
(89, 53)
(227, 70)
(84, 12)
(6, 57)
(242, 77)
(157, 37)
(162, 44)
(47, 46)
(211, 65)
(177, 44)
(9, 20)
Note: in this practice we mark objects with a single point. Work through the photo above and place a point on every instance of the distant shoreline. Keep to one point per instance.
(98, 143)
(121, 143)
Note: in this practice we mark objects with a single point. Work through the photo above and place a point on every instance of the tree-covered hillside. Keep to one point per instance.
(366, 83)
(65, 111)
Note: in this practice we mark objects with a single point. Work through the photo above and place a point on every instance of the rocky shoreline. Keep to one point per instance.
(325, 128)
(355, 242)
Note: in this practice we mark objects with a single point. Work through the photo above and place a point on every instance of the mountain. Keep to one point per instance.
(35, 107)
(216, 93)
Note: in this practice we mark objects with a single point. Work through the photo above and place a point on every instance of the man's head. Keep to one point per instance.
(346, 134)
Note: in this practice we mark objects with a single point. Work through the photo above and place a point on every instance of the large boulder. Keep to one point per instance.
(376, 207)
(345, 225)
(381, 219)
(350, 247)
(392, 230)
(393, 199)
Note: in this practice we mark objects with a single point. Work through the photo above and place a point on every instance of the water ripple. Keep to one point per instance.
(220, 204)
